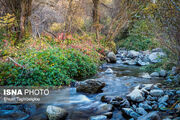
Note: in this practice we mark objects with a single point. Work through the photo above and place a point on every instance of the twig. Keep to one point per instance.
(16, 63)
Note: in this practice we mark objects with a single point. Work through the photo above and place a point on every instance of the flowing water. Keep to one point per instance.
(81, 106)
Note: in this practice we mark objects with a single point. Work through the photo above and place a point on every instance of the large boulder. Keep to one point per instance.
(155, 57)
(111, 57)
(90, 86)
(56, 113)
(136, 95)
(150, 116)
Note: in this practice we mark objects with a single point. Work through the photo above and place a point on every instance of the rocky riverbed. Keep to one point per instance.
(120, 91)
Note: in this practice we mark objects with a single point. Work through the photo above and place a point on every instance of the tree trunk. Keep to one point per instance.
(68, 24)
(25, 12)
(22, 19)
(96, 17)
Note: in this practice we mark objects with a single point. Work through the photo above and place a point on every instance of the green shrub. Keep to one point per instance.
(51, 67)
(165, 64)
(137, 42)
(140, 37)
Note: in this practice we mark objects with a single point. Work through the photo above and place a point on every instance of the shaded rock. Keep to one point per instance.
(130, 112)
(178, 92)
(155, 57)
(99, 117)
(145, 106)
(90, 86)
(162, 73)
(151, 98)
(156, 92)
(136, 96)
(155, 74)
(108, 114)
(112, 57)
(109, 71)
(56, 113)
(103, 108)
(120, 102)
(107, 99)
(150, 116)
(141, 111)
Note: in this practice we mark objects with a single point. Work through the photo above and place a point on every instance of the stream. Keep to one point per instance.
(81, 106)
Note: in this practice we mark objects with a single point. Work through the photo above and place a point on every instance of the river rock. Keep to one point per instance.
(141, 111)
(157, 50)
(173, 71)
(151, 98)
(56, 113)
(90, 86)
(112, 57)
(178, 92)
(163, 99)
(120, 102)
(136, 96)
(108, 114)
(107, 99)
(155, 56)
(103, 108)
(109, 71)
(155, 74)
(130, 62)
(133, 54)
(156, 92)
(145, 75)
(150, 116)
(148, 86)
(99, 117)
(145, 106)
(130, 112)
(162, 73)
(142, 63)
